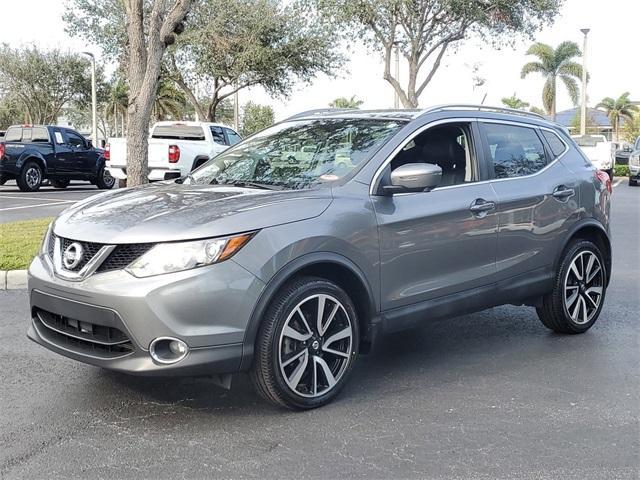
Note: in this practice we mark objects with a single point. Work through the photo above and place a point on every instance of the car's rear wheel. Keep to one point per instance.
(60, 182)
(578, 295)
(306, 345)
(3, 179)
(105, 181)
(30, 177)
(633, 183)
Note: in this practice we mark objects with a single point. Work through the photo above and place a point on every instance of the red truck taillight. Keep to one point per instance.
(174, 154)
(1, 151)
(107, 152)
(603, 177)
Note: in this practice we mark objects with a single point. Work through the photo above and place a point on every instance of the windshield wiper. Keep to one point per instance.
(250, 184)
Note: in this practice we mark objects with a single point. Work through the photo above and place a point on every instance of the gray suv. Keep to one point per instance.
(286, 255)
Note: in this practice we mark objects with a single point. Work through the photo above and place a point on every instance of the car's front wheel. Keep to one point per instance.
(105, 181)
(632, 183)
(306, 345)
(578, 295)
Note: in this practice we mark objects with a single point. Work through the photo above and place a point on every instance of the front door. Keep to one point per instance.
(438, 244)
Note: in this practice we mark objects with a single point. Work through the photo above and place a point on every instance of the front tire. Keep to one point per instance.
(60, 182)
(105, 181)
(30, 178)
(578, 294)
(306, 345)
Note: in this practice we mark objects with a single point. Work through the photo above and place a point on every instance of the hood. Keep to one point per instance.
(172, 211)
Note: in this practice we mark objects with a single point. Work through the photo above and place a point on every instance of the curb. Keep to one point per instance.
(13, 279)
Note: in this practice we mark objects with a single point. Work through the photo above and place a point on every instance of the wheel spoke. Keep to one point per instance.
(590, 264)
(330, 319)
(331, 380)
(297, 373)
(296, 335)
(344, 333)
(295, 357)
(304, 320)
(585, 316)
(335, 352)
(593, 273)
(573, 297)
(574, 269)
(576, 310)
(321, 301)
(591, 301)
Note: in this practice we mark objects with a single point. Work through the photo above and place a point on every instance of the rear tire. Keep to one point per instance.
(30, 178)
(633, 183)
(3, 179)
(299, 364)
(105, 181)
(60, 182)
(579, 290)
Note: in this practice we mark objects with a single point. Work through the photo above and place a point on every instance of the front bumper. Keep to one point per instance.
(634, 172)
(207, 308)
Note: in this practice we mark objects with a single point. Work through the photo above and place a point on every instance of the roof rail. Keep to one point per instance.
(485, 108)
(319, 111)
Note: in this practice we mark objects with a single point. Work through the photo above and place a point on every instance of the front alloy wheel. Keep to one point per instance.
(306, 345)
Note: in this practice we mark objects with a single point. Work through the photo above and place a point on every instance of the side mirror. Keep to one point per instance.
(414, 177)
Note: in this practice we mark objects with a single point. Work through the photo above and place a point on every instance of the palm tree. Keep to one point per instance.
(169, 101)
(555, 64)
(618, 109)
(116, 105)
(344, 102)
(514, 102)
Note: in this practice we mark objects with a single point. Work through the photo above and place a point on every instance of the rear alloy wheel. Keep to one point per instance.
(105, 181)
(60, 182)
(307, 345)
(576, 301)
(30, 177)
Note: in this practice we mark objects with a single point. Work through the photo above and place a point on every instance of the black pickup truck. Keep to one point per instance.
(31, 153)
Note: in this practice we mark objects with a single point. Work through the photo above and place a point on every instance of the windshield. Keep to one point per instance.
(299, 154)
(178, 132)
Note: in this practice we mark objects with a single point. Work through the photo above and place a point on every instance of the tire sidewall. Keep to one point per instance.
(281, 312)
(100, 183)
(22, 180)
(572, 252)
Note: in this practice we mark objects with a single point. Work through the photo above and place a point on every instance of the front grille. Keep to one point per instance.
(82, 337)
(89, 251)
(123, 255)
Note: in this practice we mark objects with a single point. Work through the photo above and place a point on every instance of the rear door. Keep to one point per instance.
(537, 200)
(437, 244)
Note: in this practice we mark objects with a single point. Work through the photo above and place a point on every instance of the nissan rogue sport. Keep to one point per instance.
(288, 267)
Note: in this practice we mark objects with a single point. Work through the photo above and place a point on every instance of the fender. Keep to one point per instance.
(280, 278)
(587, 222)
(30, 154)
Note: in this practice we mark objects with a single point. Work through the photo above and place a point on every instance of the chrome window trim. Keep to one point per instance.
(479, 120)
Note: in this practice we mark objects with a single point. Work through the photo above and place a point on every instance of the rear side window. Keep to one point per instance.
(515, 151)
(40, 134)
(556, 145)
(178, 131)
(232, 136)
(218, 136)
(14, 134)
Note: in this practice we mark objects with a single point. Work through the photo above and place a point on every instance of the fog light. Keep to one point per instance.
(167, 350)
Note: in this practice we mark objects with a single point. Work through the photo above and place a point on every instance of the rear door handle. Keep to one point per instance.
(481, 205)
(563, 192)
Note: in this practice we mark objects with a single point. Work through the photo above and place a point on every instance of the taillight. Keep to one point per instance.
(1, 151)
(174, 153)
(604, 178)
(107, 152)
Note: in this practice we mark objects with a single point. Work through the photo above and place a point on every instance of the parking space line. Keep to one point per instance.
(19, 197)
(39, 205)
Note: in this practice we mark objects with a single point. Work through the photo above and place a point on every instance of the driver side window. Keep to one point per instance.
(448, 146)
(75, 140)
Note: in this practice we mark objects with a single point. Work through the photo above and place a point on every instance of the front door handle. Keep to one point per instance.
(481, 205)
(563, 192)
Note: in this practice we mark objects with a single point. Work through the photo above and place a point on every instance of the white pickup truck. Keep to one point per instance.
(175, 149)
(599, 151)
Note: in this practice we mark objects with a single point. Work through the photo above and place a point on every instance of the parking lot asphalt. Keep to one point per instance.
(483, 396)
(46, 202)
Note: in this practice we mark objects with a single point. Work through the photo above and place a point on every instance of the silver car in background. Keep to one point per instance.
(288, 267)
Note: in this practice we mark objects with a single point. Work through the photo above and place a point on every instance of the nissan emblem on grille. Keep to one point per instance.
(72, 256)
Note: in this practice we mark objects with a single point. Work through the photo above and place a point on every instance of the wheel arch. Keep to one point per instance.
(593, 231)
(330, 266)
(199, 160)
(33, 157)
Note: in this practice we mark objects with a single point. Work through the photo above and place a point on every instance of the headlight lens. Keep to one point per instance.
(179, 256)
(634, 159)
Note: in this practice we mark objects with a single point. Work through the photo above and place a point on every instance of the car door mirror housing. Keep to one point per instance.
(414, 177)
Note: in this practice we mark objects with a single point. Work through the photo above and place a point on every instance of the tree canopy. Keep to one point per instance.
(425, 30)
(515, 102)
(344, 102)
(255, 117)
(618, 109)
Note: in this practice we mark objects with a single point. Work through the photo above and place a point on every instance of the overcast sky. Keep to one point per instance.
(613, 59)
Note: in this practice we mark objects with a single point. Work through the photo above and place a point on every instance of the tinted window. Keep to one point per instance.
(447, 146)
(515, 151)
(218, 136)
(556, 145)
(40, 134)
(178, 131)
(330, 149)
(232, 136)
(75, 140)
(14, 134)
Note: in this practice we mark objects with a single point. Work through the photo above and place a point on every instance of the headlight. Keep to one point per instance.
(179, 256)
(44, 248)
(634, 159)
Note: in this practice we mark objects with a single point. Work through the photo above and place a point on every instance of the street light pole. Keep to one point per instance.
(583, 104)
(94, 100)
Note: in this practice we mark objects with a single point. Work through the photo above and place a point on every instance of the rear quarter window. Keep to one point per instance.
(13, 134)
(40, 134)
(556, 145)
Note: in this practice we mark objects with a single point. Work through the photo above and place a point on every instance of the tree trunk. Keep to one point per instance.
(144, 61)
